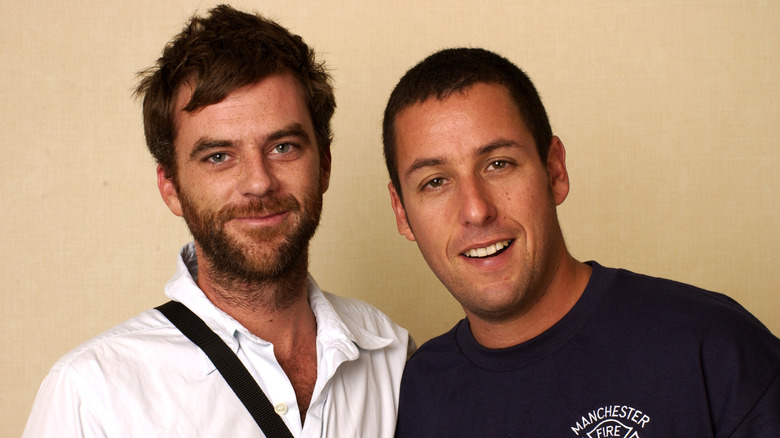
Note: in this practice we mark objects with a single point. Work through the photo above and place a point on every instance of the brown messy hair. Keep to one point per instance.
(218, 54)
(456, 70)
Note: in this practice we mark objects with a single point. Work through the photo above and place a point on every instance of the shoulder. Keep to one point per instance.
(105, 371)
(737, 356)
(674, 301)
(438, 353)
(681, 318)
(359, 315)
(141, 336)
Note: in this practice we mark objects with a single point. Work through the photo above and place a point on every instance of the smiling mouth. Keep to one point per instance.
(260, 217)
(488, 251)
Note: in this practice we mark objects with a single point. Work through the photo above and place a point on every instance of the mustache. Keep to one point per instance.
(259, 207)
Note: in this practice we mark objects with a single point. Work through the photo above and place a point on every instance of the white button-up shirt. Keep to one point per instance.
(143, 378)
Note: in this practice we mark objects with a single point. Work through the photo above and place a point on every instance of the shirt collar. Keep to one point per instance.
(337, 327)
(337, 322)
(182, 287)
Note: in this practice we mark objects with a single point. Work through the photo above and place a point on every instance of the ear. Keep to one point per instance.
(400, 214)
(168, 192)
(556, 171)
(325, 171)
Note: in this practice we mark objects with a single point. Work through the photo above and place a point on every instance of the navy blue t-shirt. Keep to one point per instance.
(636, 357)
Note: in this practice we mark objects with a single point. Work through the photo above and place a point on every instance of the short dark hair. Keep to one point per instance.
(218, 54)
(455, 70)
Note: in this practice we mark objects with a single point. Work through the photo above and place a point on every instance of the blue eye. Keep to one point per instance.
(283, 148)
(217, 158)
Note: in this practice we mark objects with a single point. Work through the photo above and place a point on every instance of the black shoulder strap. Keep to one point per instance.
(231, 368)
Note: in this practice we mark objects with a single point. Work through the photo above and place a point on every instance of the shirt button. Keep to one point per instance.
(281, 408)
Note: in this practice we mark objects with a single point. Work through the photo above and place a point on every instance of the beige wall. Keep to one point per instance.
(668, 109)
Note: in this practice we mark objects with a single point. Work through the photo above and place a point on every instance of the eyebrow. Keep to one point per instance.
(206, 143)
(437, 161)
(292, 130)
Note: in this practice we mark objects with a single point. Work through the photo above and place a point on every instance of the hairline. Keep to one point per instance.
(442, 96)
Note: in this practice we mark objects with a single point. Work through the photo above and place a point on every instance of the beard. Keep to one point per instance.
(265, 265)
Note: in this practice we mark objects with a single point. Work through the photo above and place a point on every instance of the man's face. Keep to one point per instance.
(478, 200)
(249, 178)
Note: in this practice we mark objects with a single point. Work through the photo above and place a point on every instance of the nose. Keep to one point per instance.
(476, 203)
(256, 177)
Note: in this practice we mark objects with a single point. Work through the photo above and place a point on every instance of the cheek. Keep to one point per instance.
(208, 193)
(432, 232)
(426, 217)
(434, 251)
(510, 200)
(301, 175)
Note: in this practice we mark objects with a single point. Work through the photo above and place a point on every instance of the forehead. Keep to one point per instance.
(459, 124)
(276, 89)
(272, 102)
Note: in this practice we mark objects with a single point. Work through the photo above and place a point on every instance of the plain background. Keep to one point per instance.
(668, 110)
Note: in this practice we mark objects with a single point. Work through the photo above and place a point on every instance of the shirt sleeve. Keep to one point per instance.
(763, 420)
(741, 365)
(65, 407)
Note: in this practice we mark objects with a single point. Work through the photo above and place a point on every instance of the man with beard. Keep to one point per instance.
(237, 115)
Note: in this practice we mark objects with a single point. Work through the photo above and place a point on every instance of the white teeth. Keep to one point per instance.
(487, 251)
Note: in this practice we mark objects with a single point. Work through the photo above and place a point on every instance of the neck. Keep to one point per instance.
(566, 286)
(274, 309)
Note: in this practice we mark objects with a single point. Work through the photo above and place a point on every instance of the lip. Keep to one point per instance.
(263, 220)
(488, 250)
(485, 244)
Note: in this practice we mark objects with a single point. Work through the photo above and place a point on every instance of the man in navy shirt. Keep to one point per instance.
(550, 346)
